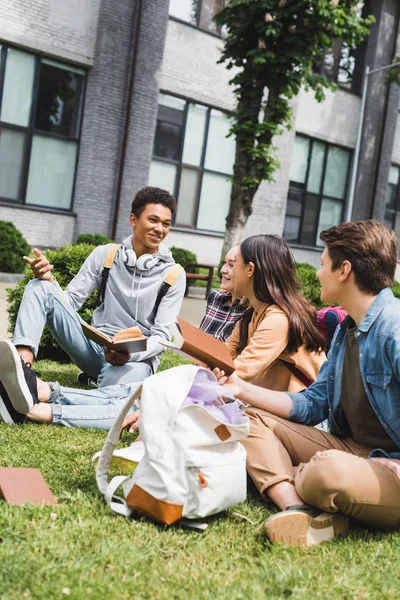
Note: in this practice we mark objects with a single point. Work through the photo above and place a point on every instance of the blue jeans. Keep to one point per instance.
(89, 408)
(44, 303)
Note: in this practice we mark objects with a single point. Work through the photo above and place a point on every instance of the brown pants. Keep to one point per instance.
(334, 473)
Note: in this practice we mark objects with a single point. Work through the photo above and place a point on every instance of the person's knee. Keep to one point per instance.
(39, 285)
(325, 476)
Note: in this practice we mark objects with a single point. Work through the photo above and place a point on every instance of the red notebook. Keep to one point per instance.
(24, 485)
(200, 347)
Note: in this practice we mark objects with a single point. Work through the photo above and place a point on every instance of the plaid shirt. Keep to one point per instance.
(221, 317)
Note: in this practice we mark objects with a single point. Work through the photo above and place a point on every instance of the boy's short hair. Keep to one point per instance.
(152, 195)
(370, 247)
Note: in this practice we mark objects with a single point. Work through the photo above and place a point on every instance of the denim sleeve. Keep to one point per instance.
(311, 406)
(392, 351)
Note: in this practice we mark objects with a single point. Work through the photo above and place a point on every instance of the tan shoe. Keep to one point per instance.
(305, 526)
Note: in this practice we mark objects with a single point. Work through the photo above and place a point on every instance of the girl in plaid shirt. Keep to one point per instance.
(224, 309)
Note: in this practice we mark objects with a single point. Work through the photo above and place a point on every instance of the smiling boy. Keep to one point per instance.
(138, 271)
(353, 471)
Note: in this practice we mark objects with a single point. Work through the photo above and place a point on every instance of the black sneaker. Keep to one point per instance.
(304, 526)
(7, 411)
(19, 384)
(85, 379)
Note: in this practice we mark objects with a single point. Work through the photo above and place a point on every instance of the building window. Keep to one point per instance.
(317, 191)
(193, 159)
(199, 13)
(392, 208)
(41, 103)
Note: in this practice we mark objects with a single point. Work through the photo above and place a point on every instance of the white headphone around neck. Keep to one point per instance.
(143, 263)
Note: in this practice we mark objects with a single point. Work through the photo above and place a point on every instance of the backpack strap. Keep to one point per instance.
(297, 373)
(108, 263)
(116, 503)
(167, 283)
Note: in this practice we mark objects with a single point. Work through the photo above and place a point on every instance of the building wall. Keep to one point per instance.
(334, 120)
(40, 229)
(61, 28)
(396, 142)
(190, 68)
(379, 114)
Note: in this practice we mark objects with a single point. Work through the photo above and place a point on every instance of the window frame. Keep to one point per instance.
(396, 210)
(30, 131)
(197, 24)
(320, 195)
(199, 168)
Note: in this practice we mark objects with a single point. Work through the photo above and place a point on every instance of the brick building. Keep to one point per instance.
(98, 98)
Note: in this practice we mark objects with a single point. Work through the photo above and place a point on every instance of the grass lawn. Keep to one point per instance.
(81, 550)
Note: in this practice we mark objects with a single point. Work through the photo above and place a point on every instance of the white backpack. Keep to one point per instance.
(193, 464)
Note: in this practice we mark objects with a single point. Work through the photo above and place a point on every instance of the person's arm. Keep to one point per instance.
(233, 341)
(264, 348)
(278, 403)
(164, 321)
(309, 407)
(87, 279)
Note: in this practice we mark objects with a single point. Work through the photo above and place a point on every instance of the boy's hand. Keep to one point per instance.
(40, 266)
(131, 422)
(114, 357)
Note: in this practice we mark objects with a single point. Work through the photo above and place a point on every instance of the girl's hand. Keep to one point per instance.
(231, 383)
(131, 422)
(391, 463)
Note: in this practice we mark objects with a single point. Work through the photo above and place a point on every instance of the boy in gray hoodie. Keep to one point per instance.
(139, 269)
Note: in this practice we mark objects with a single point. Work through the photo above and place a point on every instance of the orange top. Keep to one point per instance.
(261, 361)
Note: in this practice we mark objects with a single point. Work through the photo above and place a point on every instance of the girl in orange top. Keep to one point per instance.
(279, 327)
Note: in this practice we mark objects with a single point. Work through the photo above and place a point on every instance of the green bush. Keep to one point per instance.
(67, 261)
(183, 257)
(310, 285)
(13, 247)
(396, 289)
(95, 239)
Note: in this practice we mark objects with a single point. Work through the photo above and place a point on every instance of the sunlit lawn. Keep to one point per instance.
(81, 550)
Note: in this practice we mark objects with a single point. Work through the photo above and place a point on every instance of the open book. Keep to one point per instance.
(200, 347)
(126, 340)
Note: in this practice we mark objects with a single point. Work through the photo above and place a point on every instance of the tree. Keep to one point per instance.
(275, 47)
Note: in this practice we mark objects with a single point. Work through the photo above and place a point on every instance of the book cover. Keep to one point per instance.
(19, 485)
(200, 347)
(127, 340)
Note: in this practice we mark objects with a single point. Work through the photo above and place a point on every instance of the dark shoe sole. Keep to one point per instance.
(300, 529)
(13, 378)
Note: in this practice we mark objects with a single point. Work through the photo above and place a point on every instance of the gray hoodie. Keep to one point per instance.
(130, 296)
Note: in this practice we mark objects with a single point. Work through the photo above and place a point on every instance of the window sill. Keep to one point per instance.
(215, 35)
(302, 247)
(45, 209)
(204, 232)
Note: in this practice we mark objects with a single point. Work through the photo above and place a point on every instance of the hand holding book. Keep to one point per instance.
(127, 340)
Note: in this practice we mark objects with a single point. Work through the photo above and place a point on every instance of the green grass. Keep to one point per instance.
(80, 550)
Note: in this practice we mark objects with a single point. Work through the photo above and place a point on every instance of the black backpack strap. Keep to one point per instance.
(167, 283)
(108, 263)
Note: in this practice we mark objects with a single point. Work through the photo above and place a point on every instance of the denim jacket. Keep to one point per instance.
(378, 336)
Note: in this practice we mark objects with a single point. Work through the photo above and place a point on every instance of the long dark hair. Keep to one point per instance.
(275, 282)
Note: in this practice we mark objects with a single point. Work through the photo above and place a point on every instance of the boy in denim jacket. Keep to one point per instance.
(317, 479)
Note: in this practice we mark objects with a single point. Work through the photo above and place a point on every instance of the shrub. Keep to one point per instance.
(183, 257)
(95, 239)
(67, 261)
(310, 285)
(13, 247)
(396, 289)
